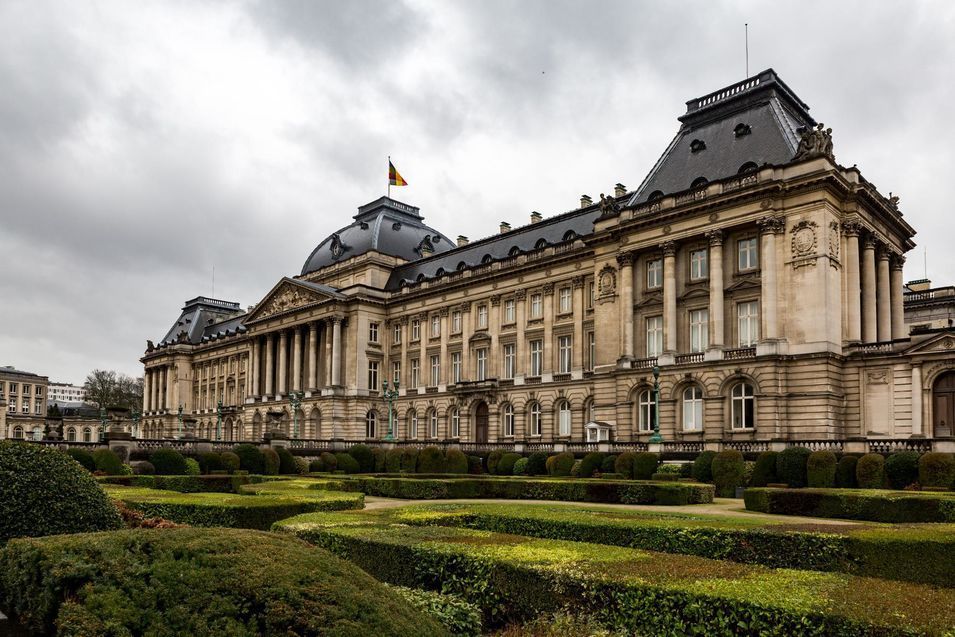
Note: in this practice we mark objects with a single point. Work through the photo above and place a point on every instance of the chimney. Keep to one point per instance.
(462, 240)
(505, 227)
(619, 190)
(585, 201)
(535, 217)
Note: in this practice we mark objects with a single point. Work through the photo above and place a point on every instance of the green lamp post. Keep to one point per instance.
(295, 400)
(656, 437)
(179, 436)
(219, 420)
(390, 395)
(136, 416)
(102, 422)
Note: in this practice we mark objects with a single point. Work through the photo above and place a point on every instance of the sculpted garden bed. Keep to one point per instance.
(855, 504)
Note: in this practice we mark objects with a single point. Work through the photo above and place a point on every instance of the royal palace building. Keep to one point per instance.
(760, 278)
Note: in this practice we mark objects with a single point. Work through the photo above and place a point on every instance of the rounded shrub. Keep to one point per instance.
(764, 472)
(575, 469)
(475, 466)
(607, 466)
(168, 462)
(537, 464)
(108, 462)
(624, 464)
(702, 470)
(379, 455)
(250, 458)
(821, 470)
(45, 492)
(365, 458)
(846, 472)
(142, 467)
(316, 465)
(561, 464)
(272, 462)
(589, 464)
(84, 457)
(520, 467)
(209, 462)
(791, 466)
(456, 461)
(192, 467)
(345, 462)
(230, 461)
(286, 462)
(645, 465)
(329, 461)
(431, 460)
(409, 460)
(301, 466)
(393, 460)
(506, 466)
(493, 458)
(902, 469)
(937, 470)
(870, 471)
(727, 468)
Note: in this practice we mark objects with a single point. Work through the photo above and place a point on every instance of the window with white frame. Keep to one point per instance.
(510, 360)
(71, 435)
(435, 326)
(371, 424)
(590, 411)
(13, 388)
(12, 407)
(373, 332)
(18, 433)
(415, 373)
(646, 410)
(415, 329)
(654, 336)
(537, 305)
(563, 418)
(537, 357)
(396, 372)
(693, 409)
(747, 251)
(433, 423)
(456, 322)
(743, 409)
(372, 374)
(38, 390)
(654, 274)
(37, 433)
(412, 424)
(591, 295)
(699, 265)
(565, 303)
(510, 312)
(591, 350)
(534, 419)
(747, 315)
(454, 423)
(435, 370)
(455, 367)
(25, 406)
(482, 316)
(507, 420)
(396, 334)
(480, 364)
(699, 330)
(87, 435)
(564, 354)
(37, 407)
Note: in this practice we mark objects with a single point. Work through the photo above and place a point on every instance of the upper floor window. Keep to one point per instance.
(747, 251)
(510, 315)
(373, 332)
(591, 350)
(435, 326)
(482, 316)
(396, 372)
(415, 329)
(372, 374)
(591, 295)
(699, 267)
(693, 408)
(456, 322)
(480, 364)
(371, 424)
(455, 367)
(654, 274)
(564, 300)
(537, 305)
(13, 388)
(564, 354)
(537, 357)
(510, 356)
(38, 390)
(435, 370)
(699, 330)
(747, 315)
(743, 406)
(396, 334)
(415, 373)
(654, 336)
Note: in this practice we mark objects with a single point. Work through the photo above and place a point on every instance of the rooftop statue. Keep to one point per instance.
(608, 206)
(815, 143)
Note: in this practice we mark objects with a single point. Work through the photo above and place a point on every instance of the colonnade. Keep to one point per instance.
(875, 311)
(300, 358)
(157, 388)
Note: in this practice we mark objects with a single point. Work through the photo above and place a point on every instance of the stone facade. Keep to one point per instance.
(24, 399)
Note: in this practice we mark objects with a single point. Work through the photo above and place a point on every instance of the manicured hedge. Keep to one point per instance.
(272, 462)
(182, 484)
(702, 470)
(870, 471)
(512, 577)
(344, 462)
(559, 464)
(451, 611)
(855, 504)
(363, 456)
(169, 462)
(505, 467)
(727, 471)
(902, 469)
(845, 472)
(791, 466)
(108, 462)
(84, 457)
(196, 582)
(821, 470)
(287, 464)
(250, 458)
(645, 465)
(764, 471)
(537, 464)
(431, 460)
(230, 461)
(937, 470)
(590, 464)
(455, 461)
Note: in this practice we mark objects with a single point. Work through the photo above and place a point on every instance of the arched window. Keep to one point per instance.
(563, 418)
(487, 258)
(570, 235)
(743, 406)
(371, 424)
(514, 251)
(646, 410)
(462, 266)
(413, 424)
(87, 435)
(71, 435)
(748, 167)
(439, 273)
(590, 411)
(699, 182)
(454, 423)
(420, 278)
(433, 423)
(655, 195)
(507, 420)
(534, 419)
(18, 433)
(693, 409)
(37, 433)
(697, 145)
(742, 130)
(541, 243)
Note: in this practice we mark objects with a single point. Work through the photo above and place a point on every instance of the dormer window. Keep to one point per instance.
(742, 130)
(697, 145)
(570, 235)
(655, 195)
(514, 251)
(462, 266)
(487, 258)
(541, 243)
(748, 167)
(699, 182)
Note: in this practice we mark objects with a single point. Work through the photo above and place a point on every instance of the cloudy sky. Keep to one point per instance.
(143, 144)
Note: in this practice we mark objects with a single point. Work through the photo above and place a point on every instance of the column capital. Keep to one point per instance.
(851, 228)
(335, 318)
(884, 251)
(496, 299)
(465, 306)
(625, 259)
(577, 282)
(898, 260)
(715, 237)
(771, 224)
(444, 312)
(668, 248)
(868, 243)
(548, 288)
(312, 326)
(520, 294)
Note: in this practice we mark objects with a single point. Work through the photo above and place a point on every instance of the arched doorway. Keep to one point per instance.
(481, 422)
(943, 405)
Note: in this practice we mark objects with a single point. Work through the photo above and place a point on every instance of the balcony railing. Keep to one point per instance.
(900, 444)
(739, 353)
(643, 363)
(818, 445)
(684, 359)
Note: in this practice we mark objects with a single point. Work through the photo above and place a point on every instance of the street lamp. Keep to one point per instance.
(390, 395)
(656, 437)
(180, 422)
(219, 420)
(295, 400)
(102, 422)
(136, 417)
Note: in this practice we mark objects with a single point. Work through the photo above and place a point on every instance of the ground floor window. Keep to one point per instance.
(371, 424)
(693, 409)
(534, 423)
(563, 418)
(646, 410)
(743, 406)
(508, 420)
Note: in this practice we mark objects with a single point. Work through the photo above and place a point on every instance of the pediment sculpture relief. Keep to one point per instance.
(286, 299)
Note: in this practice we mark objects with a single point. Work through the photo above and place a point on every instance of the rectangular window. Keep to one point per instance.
(455, 367)
(591, 295)
(36, 407)
(482, 316)
(564, 354)
(537, 305)
(435, 326)
(480, 364)
(38, 390)
(456, 322)
(537, 357)
(26, 389)
(415, 372)
(510, 356)
(13, 388)
(396, 334)
(25, 407)
(415, 330)
(654, 274)
(747, 251)
(654, 336)
(699, 266)
(564, 300)
(373, 332)
(747, 315)
(435, 371)
(396, 373)
(510, 315)
(591, 350)
(699, 330)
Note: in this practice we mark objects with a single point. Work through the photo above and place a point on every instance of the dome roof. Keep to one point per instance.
(386, 226)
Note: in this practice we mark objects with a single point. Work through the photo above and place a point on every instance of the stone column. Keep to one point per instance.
(869, 316)
(157, 384)
(269, 366)
(898, 309)
(297, 359)
(884, 298)
(578, 300)
(520, 315)
(312, 357)
(445, 376)
(169, 385)
(769, 228)
(404, 370)
(256, 363)
(147, 388)
(493, 369)
(625, 261)
(916, 400)
(669, 296)
(853, 284)
(549, 345)
(336, 351)
(250, 371)
(283, 363)
(716, 288)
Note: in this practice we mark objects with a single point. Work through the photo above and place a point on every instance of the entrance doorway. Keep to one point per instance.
(943, 404)
(480, 422)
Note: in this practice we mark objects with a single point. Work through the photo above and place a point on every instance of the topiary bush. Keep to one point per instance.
(209, 462)
(537, 464)
(286, 462)
(365, 458)
(379, 455)
(506, 466)
(142, 468)
(727, 468)
(821, 470)
(645, 465)
(431, 460)
(271, 461)
(84, 457)
(316, 465)
(168, 462)
(329, 461)
(607, 466)
(345, 462)
(624, 464)
(393, 460)
(702, 470)
(250, 458)
(409, 460)
(461, 618)
(589, 464)
(108, 462)
(192, 467)
(301, 466)
(230, 461)
(561, 464)
(44, 492)
(902, 469)
(765, 470)
(846, 472)
(937, 470)
(870, 471)
(493, 458)
(791, 466)
(456, 461)
(520, 467)
(475, 466)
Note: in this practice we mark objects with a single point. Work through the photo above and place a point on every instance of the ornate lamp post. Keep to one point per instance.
(180, 421)
(136, 416)
(219, 420)
(295, 400)
(656, 437)
(390, 395)
(102, 422)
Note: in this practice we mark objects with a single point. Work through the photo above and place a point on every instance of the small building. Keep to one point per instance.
(24, 397)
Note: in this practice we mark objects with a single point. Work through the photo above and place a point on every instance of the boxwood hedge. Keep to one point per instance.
(182, 484)
(855, 504)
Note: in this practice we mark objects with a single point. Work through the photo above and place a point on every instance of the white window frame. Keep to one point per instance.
(435, 326)
(747, 323)
(456, 322)
(373, 375)
(565, 300)
(373, 332)
(509, 358)
(413, 424)
(435, 370)
(454, 423)
(396, 334)
(534, 423)
(654, 336)
(741, 394)
(396, 372)
(646, 408)
(564, 421)
(591, 350)
(693, 408)
(654, 274)
(747, 254)
(565, 354)
(591, 295)
(510, 311)
(537, 305)
(415, 373)
(536, 349)
(482, 316)
(699, 264)
(433, 423)
(699, 320)
(456, 367)
(480, 364)
(507, 420)
(415, 330)
(371, 424)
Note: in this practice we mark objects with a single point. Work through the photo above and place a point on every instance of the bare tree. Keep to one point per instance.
(106, 388)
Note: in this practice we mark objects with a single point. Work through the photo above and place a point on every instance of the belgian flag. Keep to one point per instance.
(394, 177)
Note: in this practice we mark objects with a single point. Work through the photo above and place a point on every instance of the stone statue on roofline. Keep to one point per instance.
(815, 142)
(608, 206)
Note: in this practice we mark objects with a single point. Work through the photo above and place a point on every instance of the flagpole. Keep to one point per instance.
(389, 176)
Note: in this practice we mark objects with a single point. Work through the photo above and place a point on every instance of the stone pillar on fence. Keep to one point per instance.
(655, 447)
(519, 447)
(338, 444)
(777, 445)
(560, 447)
(713, 445)
(121, 443)
(275, 439)
(944, 445)
(855, 445)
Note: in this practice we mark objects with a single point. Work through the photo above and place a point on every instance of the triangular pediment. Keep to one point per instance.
(938, 343)
(749, 283)
(650, 298)
(290, 295)
(695, 293)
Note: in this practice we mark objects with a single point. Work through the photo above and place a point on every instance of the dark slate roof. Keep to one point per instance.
(318, 287)
(763, 102)
(9, 369)
(563, 227)
(385, 225)
(203, 318)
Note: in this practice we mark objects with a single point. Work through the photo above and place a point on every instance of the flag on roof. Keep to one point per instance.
(394, 177)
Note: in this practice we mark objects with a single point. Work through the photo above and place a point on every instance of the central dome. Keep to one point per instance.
(385, 226)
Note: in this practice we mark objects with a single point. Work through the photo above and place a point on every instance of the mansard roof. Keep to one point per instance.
(203, 318)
